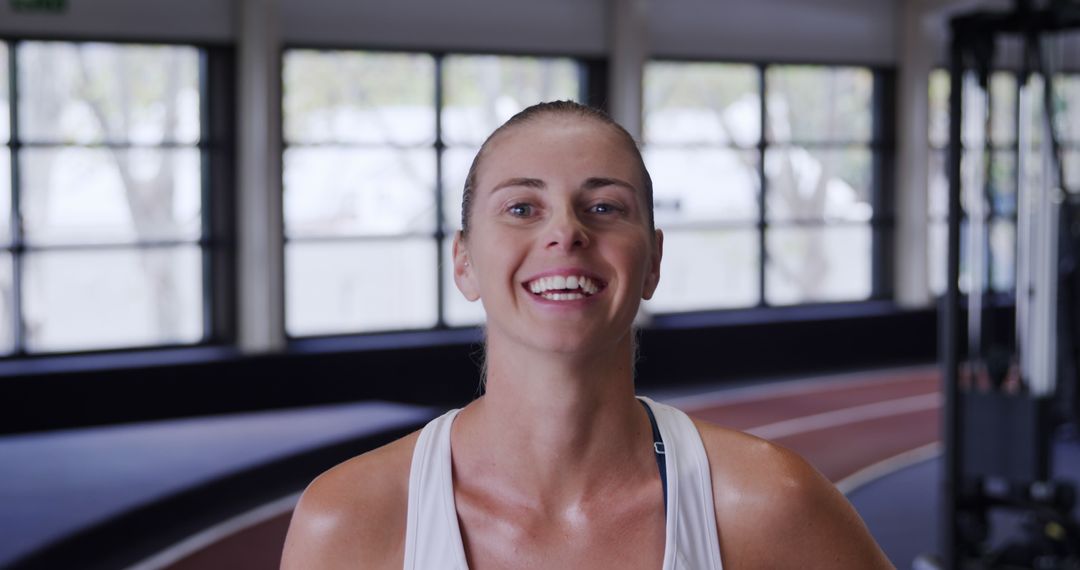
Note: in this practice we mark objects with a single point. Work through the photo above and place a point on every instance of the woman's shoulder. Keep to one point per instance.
(747, 462)
(766, 495)
(354, 514)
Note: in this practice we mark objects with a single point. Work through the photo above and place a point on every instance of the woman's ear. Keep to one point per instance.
(652, 278)
(464, 276)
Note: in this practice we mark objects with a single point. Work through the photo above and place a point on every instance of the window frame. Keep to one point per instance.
(882, 148)
(215, 148)
(989, 148)
(592, 90)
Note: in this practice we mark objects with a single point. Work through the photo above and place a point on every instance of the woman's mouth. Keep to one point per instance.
(564, 287)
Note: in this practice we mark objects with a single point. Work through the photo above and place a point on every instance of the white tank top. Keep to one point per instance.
(433, 537)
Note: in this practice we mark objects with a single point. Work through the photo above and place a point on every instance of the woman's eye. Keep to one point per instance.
(604, 208)
(520, 210)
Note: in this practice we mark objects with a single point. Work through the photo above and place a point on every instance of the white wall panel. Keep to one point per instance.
(163, 20)
(827, 30)
(547, 26)
(843, 31)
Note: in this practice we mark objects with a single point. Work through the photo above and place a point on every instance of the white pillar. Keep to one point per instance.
(260, 256)
(912, 284)
(628, 51)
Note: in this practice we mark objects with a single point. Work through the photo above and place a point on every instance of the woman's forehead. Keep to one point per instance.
(555, 146)
(557, 126)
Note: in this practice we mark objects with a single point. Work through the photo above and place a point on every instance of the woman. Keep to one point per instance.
(558, 465)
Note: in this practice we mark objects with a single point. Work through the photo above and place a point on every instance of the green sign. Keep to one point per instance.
(39, 6)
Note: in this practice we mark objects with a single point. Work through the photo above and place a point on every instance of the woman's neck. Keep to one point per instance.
(559, 427)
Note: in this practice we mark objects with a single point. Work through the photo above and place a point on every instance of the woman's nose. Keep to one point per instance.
(566, 231)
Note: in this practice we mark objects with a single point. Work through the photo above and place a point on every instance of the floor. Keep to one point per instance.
(54, 484)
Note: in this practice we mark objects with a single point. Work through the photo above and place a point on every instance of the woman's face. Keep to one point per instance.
(559, 247)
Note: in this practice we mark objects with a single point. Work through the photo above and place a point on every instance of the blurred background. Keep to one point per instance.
(225, 237)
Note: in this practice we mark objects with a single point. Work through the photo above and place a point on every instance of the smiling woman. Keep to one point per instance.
(559, 464)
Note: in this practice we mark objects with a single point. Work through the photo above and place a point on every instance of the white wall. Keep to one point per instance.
(845, 31)
(556, 26)
(839, 31)
(855, 31)
(547, 26)
(186, 20)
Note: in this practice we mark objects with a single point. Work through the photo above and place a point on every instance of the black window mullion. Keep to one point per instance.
(762, 147)
(207, 210)
(882, 189)
(217, 96)
(104, 246)
(820, 222)
(286, 240)
(440, 234)
(1015, 149)
(986, 192)
(594, 85)
(356, 238)
(16, 227)
(333, 144)
(112, 145)
(212, 293)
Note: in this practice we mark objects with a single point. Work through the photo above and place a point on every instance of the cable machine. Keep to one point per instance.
(1005, 400)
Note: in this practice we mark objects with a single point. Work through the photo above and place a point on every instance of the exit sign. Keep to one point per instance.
(40, 6)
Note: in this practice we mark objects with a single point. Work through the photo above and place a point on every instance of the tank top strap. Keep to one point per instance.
(432, 535)
(691, 513)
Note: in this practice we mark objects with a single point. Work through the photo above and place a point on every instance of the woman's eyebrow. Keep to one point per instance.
(523, 182)
(589, 184)
(600, 182)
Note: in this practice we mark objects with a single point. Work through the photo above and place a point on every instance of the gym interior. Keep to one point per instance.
(212, 290)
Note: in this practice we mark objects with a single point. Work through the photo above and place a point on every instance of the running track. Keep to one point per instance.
(851, 428)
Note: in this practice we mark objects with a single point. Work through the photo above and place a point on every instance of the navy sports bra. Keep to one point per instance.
(658, 447)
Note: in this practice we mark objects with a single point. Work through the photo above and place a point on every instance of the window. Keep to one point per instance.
(377, 147)
(990, 163)
(1068, 128)
(101, 196)
(986, 162)
(764, 200)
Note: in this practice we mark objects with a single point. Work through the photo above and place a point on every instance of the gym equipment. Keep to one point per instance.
(1006, 398)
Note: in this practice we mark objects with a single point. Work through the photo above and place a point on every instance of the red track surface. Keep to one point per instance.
(840, 450)
(840, 425)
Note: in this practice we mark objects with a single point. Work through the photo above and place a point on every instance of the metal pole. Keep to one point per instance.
(1024, 214)
(950, 315)
(1052, 197)
(977, 223)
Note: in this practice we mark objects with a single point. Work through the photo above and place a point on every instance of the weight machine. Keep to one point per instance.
(1006, 399)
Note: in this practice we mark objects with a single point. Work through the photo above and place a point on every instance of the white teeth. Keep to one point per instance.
(563, 296)
(543, 285)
